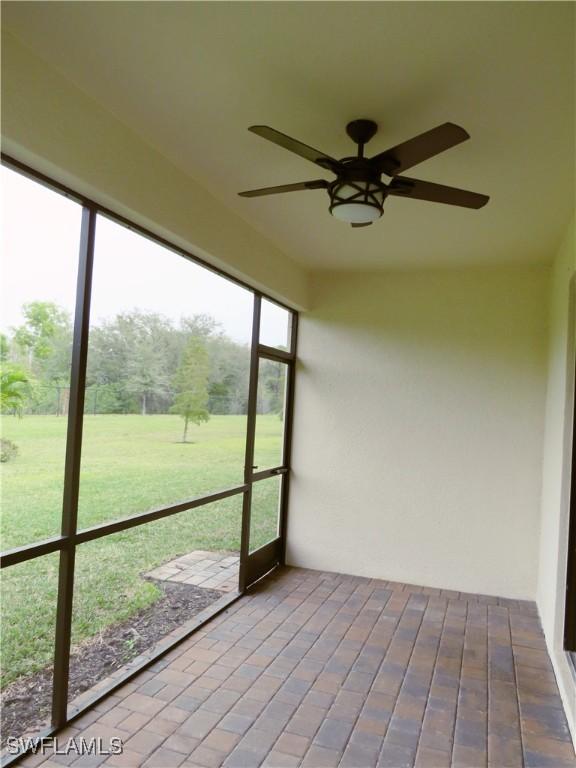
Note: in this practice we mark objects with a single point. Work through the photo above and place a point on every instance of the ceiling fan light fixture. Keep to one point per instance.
(356, 202)
(357, 195)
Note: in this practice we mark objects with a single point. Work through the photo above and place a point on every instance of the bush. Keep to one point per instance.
(8, 450)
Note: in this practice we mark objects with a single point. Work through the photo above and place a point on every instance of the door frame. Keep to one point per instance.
(254, 565)
(570, 602)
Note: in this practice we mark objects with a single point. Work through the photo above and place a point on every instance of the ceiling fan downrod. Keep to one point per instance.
(361, 131)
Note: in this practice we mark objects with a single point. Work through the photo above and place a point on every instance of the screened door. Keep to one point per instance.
(268, 445)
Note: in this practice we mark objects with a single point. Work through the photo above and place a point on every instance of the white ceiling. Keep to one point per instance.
(190, 78)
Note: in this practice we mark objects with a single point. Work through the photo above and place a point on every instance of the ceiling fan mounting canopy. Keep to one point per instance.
(357, 195)
(361, 131)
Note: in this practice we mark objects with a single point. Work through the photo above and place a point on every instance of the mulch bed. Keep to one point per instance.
(26, 703)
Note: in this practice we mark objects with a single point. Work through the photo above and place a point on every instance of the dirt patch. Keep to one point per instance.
(26, 704)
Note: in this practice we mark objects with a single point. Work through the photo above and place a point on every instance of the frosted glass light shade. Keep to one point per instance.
(356, 202)
(356, 213)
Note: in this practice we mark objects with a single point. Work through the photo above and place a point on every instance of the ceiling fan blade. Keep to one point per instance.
(293, 145)
(420, 148)
(436, 193)
(316, 184)
(364, 224)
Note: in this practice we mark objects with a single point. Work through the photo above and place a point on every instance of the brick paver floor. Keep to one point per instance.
(213, 570)
(320, 669)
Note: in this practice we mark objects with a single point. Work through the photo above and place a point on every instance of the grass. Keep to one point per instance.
(130, 464)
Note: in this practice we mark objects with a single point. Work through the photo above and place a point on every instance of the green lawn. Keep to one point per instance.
(129, 464)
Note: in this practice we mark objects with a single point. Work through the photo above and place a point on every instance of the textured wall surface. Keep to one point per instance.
(418, 431)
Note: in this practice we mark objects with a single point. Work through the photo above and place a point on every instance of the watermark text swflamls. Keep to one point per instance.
(72, 746)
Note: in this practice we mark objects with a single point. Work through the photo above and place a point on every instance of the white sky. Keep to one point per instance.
(39, 242)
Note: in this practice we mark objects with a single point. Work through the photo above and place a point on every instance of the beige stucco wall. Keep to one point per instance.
(418, 428)
(48, 123)
(556, 465)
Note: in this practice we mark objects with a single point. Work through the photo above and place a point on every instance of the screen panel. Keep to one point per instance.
(40, 239)
(167, 379)
(134, 588)
(275, 325)
(270, 417)
(265, 511)
(28, 595)
(186, 359)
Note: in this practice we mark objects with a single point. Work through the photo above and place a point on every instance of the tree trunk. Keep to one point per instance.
(185, 429)
(65, 401)
(144, 404)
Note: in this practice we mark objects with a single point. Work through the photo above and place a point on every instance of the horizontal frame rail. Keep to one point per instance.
(263, 474)
(30, 551)
(105, 529)
(271, 353)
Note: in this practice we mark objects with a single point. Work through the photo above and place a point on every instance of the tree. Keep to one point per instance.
(191, 384)
(201, 325)
(272, 377)
(4, 347)
(44, 321)
(229, 375)
(13, 387)
(134, 357)
(43, 345)
(143, 344)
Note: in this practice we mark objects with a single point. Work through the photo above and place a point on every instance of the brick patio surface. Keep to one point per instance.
(319, 669)
(212, 570)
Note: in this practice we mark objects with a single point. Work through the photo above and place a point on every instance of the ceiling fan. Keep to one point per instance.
(358, 193)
